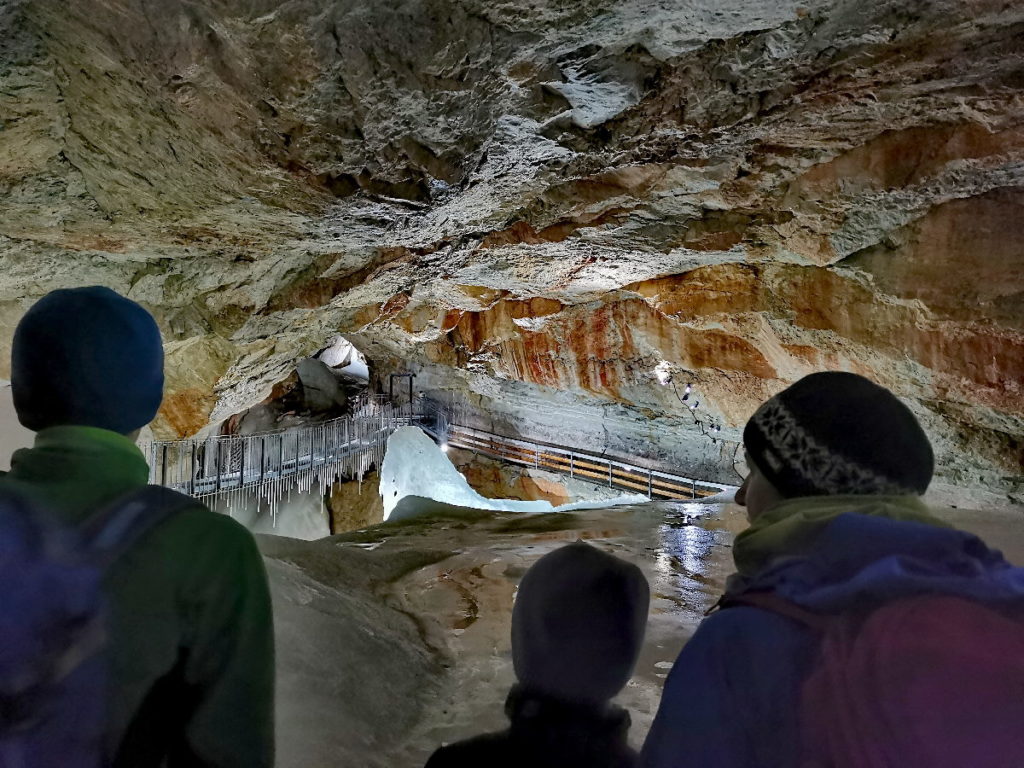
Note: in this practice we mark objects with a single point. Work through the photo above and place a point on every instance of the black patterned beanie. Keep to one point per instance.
(837, 433)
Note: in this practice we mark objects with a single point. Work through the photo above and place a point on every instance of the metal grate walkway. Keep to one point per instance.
(614, 473)
(270, 465)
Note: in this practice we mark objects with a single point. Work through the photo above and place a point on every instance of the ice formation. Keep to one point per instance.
(416, 469)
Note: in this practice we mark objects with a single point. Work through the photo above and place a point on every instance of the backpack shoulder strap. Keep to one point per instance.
(115, 528)
(769, 601)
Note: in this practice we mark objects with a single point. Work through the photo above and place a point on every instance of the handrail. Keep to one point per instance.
(590, 466)
(269, 464)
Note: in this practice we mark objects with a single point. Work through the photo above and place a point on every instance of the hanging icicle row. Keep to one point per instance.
(234, 471)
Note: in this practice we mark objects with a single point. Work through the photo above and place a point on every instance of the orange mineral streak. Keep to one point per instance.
(418, 317)
(983, 365)
(711, 290)
(475, 330)
(451, 320)
(895, 159)
(823, 299)
(186, 411)
(597, 349)
(523, 232)
(395, 304)
(719, 317)
(981, 359)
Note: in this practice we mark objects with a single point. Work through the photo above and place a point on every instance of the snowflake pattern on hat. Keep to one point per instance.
(793, 447)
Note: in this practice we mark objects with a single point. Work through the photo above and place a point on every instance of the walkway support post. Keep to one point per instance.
(218, 463)
(391, 390)
(650, 484)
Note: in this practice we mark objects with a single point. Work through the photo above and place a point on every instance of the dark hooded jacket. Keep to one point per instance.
(546, 733)
(732, 698)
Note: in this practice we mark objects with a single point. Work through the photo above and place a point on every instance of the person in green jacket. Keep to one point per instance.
(190, 631)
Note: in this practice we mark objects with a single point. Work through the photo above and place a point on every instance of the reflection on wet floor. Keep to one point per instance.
(456, 580)
(465, 602)
(684, 550)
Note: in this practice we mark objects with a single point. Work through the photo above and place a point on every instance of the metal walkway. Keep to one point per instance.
(270, 465)
(594, 468)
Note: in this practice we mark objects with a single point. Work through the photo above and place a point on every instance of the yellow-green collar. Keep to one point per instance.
(790, 527)
(74, 469)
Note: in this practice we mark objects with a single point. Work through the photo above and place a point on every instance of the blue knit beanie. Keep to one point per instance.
(87, 357)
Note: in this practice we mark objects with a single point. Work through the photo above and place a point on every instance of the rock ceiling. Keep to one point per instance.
(532, 203)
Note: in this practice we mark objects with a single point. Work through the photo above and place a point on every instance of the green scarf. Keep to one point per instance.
(792, 526)
(75, 470)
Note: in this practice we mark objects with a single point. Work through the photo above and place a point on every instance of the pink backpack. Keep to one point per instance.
(930, 681)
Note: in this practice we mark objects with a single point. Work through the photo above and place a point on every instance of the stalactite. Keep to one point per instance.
(225, 467)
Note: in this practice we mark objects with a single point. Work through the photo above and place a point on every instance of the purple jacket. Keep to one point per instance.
(732, 697)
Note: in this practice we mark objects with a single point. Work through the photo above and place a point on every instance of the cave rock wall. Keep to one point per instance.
(534, 206)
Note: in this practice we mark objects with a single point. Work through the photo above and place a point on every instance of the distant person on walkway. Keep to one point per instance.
(859, 630)
(577, 628)
(187, 647)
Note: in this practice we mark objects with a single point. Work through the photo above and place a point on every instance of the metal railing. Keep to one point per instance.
(614, 473)
(270, 464)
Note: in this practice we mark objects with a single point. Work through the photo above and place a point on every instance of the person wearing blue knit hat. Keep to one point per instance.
(87, 357)
(190, 641)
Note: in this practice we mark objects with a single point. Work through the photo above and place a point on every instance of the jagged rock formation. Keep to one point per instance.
(533, 205)
(355, 504)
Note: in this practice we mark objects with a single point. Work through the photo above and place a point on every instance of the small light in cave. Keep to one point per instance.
(687, 390)
(444, 447)
(695, 404)
(663, 371)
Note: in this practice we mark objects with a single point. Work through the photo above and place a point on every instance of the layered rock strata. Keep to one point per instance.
(534, 206)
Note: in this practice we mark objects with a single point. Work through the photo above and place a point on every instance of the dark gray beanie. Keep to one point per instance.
(839, 433)
(578, 624)
(87, 357)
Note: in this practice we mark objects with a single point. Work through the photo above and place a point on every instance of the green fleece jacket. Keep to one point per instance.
(191, 638)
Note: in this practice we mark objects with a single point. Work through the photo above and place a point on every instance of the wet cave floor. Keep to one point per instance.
(395, 639)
